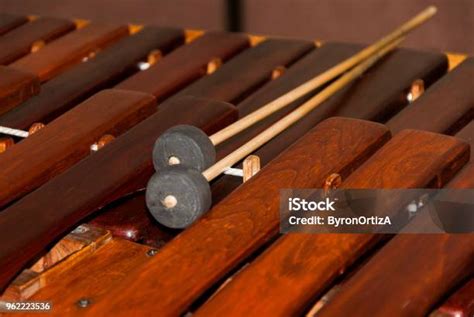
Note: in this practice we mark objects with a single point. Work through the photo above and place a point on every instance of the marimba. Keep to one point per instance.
(92, 99)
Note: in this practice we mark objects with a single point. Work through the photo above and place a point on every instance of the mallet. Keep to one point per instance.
(191, 147)
(177, 195)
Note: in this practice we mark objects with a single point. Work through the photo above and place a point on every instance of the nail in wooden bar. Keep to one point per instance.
(56, 57)
(109, 66)
(19, 42)
(122, 167)
(15, 87)
(9, 22)
(185, 64)
(66, 140)
(283, 289)
(202, 254)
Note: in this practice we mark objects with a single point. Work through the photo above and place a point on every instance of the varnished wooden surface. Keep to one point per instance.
(108, 67)
(56, 57)
(248, 71)
(15, 87)
(299, 267)
(85, 279)
(9, 22)
(18, 43)
(459, 304)
(445, 107)
(120, 168)
(66, 140)
(185, 64)
(242, 222)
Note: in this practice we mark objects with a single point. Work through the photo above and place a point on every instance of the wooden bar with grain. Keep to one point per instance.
(451, 99)
(120, 168)
(201, 255)
(15, 87)
(19, 42)
(9, 22)
(67, 140)
(248, 71)
(83, 80)
(186, 64)
(459, 304)
(71, 49)
(283, 289)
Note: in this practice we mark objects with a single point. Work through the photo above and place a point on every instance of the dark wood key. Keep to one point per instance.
(459, 304)
(81, 81)
(29, 37)
(68, 139)
(71, 49)
(286, 290)
(15, 87)
(234, 81)
(186, 266)
(9, 22)
(122, 167)
(186, 64)
(445, 107)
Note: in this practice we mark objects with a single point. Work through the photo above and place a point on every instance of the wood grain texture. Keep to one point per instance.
(120, 168)
(81, 81)
(285, 279)
(459, 304)
(185, 64)
(15, 87)
(56, 57)
(242, 222)
(67, 140)
(445, 107)
(80, 243)
(109, 265)
(9, 22)
(18, 42)
(248, 71)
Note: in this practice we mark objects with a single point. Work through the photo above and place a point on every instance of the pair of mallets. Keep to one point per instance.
(184, 156)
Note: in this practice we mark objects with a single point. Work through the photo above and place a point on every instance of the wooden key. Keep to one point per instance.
(15, 87)
(20, 41)
(67, 140)
(185, 64)
(242, 222)
(9, 22)
(108, 67)
(246, 72)
(70, 49)
(122, 167)
(459, 304)
(445, 107)
(283, 288)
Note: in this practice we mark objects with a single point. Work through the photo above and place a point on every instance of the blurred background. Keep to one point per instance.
(338, 20)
